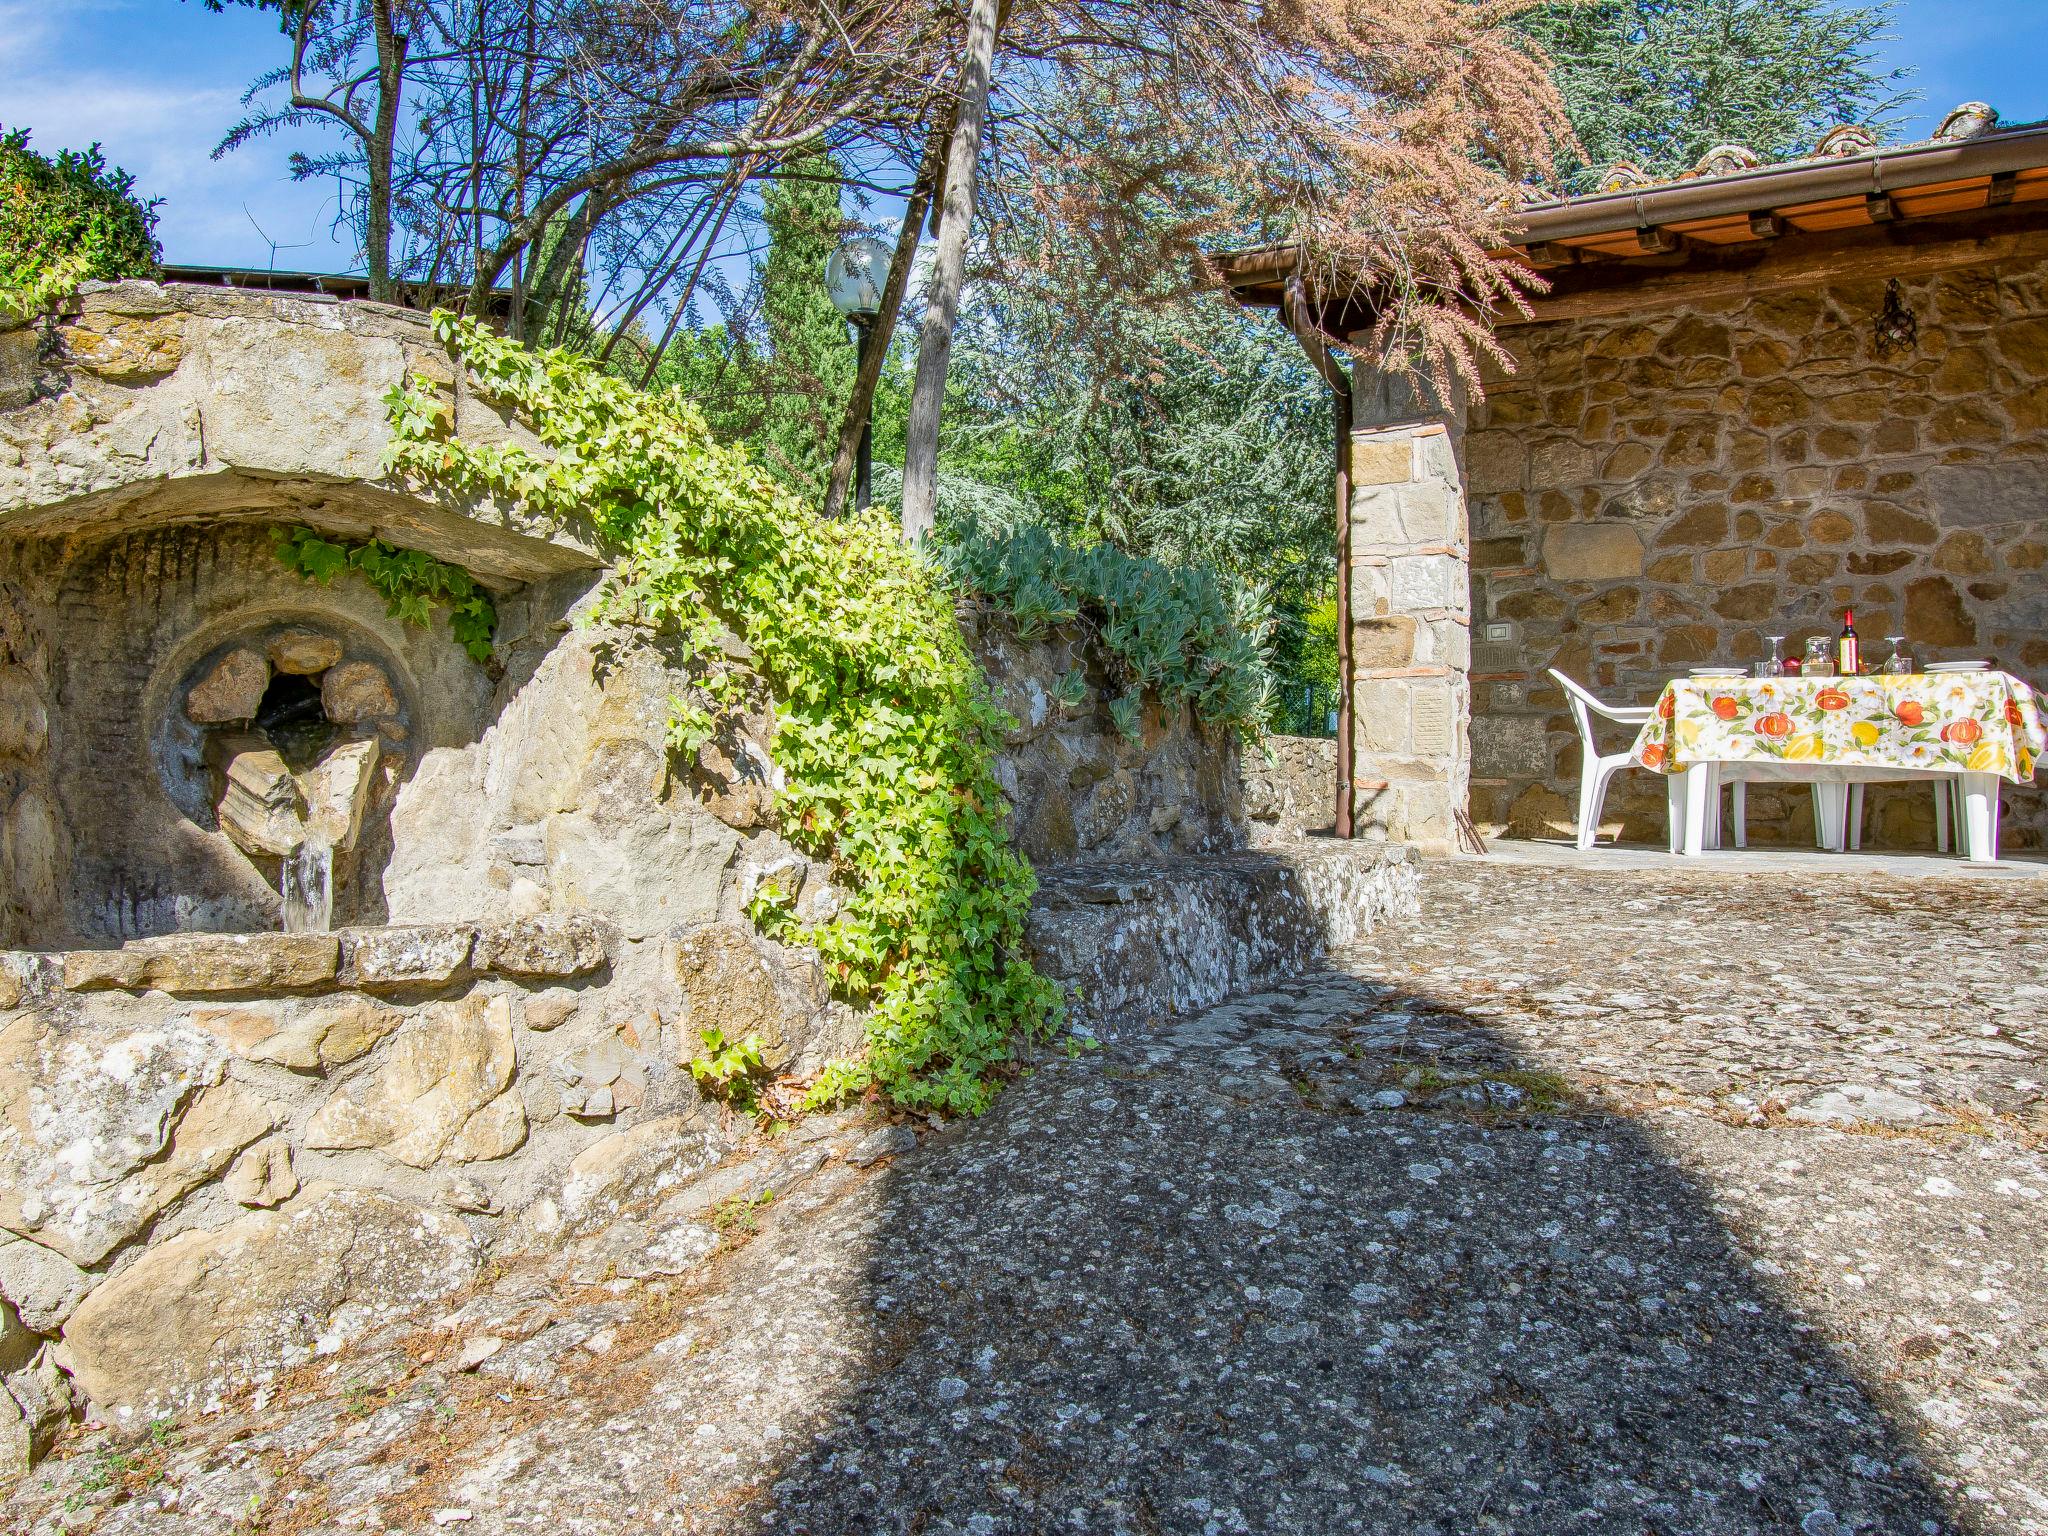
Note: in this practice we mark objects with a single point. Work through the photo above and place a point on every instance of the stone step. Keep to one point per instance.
(1136, 943)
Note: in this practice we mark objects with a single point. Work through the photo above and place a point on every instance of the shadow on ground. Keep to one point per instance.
(1205, 1283)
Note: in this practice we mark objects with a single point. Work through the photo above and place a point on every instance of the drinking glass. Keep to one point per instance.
(1773, 665)
(1820, 657)
(1899, 661)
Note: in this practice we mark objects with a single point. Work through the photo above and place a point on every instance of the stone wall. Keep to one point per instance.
(1079, 789)
(1290, 785)
(185, 1122)
(35, 846)
(223, 1153)
(1651, 493)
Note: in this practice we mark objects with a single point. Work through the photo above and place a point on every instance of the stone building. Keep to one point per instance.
(1750, 399)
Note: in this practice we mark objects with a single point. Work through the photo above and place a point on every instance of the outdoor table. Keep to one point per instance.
(1978, 727)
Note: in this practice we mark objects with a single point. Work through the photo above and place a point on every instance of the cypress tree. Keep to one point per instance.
(809, 368)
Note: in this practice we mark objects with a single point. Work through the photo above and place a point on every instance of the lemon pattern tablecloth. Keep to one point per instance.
(1957, 722)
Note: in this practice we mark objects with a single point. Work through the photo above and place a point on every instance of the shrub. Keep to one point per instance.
(1170, 628)
(65, 221)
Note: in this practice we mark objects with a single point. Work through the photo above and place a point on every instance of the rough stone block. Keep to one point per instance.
(1371, 588)
(448, 1063)
(736, 982)
(1376, 519)
(302, 652)
(1563, 464)
(1422, 582)
(315, 426)
(1380, 714)
(40, 1284)
(1593, 552)
(230, 690)
(210, 1308)
(1432, 728)
(126, 350)
(1495, 462)
(208, 962)
(262, 1176)
(553, 944)
(1428, 515)
(355, 691)
(1510, 747)
(427, 955)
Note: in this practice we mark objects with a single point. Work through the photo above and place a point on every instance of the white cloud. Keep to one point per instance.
(162, 128)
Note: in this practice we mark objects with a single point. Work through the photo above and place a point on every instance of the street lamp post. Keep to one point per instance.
(855, 275)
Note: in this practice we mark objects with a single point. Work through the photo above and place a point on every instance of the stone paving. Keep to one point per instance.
(1643, 1203)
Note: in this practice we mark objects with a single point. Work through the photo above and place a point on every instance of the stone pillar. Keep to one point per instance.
(1410, 614)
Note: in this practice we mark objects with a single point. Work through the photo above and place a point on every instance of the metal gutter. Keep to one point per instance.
(1766, 189)
(1770, 188)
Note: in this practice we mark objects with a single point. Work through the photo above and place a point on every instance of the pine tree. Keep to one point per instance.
(1658, 83)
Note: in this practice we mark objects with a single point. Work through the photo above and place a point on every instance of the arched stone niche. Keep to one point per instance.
(173, 650)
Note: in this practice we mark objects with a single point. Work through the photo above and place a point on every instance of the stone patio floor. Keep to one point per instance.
(1644, 1201)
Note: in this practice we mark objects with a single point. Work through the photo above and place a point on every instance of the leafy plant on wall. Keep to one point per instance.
(884, 731)
(412, 583)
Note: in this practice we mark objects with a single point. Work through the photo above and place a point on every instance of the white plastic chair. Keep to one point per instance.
(1595, 770)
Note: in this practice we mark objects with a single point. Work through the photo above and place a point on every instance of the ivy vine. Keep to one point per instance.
(411, 582)
(884, 729)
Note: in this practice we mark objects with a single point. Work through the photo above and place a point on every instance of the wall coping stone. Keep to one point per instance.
(551, 946)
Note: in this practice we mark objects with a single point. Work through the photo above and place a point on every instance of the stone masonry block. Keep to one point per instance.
(1495, 462)
(1376, 518)
(1381, 708)
(1382, 460)
(1427, 516)
(1420, 582)
(1432, 730)
(1593, 552)
(1371, 589)
(1384, 642)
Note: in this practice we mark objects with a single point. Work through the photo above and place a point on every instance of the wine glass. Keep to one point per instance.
(1773, 665)
(1899, 662)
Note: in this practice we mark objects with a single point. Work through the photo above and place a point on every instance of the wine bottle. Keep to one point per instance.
(1848, 651)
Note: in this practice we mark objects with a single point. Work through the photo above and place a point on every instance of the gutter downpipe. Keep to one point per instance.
(1294, 311)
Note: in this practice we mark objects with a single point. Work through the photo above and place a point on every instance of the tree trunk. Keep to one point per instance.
(860, 404)
(377, 151)
(935, 342)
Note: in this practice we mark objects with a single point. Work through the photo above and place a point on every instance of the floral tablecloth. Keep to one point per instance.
(1956, 722)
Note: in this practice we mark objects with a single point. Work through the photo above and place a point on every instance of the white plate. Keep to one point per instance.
(1717, 672)
(1959, 666)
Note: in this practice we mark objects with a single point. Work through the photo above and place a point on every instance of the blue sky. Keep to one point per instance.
(159, 81)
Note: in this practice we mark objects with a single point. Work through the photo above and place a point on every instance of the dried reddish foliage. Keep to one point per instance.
(1390, 141)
